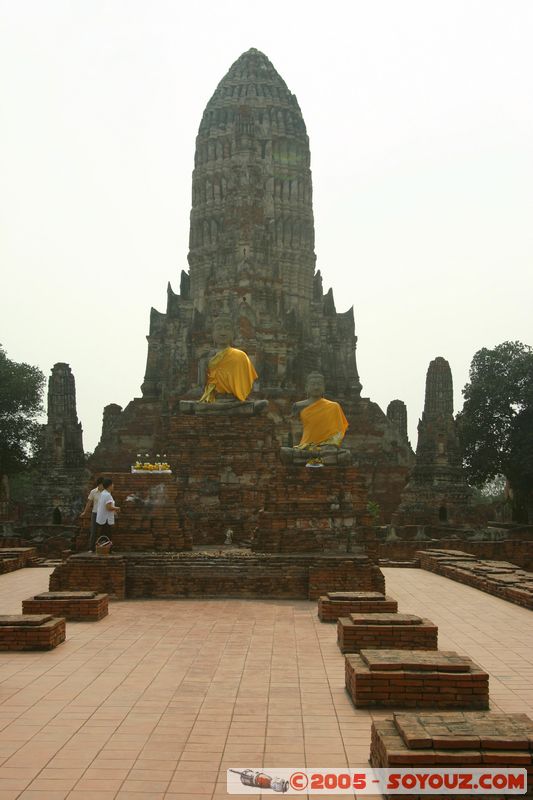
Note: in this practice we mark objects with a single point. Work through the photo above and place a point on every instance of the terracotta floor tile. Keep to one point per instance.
(146, 786)
(53, 784)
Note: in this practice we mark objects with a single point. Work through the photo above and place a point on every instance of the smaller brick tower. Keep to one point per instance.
(437, 492)
(397, 415)
(61, 478)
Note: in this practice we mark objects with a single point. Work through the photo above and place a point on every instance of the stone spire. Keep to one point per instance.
(439, 388)
(397, 415)
(251, 186)
(251, 248)
(437, 490)
(63, 433)
(60, 478)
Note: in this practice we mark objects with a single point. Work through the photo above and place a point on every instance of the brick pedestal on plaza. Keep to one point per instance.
(31, 632)
(340, 604)
(233, 573)
(476, 739)
(76, 606)
(312, 510)
(499, 578)
(385, 631)
(417, 679)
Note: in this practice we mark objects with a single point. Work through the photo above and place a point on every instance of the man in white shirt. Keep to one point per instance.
(92, 503)
(105, 516)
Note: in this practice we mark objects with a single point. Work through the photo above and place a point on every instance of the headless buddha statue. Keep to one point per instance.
(324, 426)
(227, 376)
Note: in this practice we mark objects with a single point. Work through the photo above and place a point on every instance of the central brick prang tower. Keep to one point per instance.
(252, 257)
(251, 249)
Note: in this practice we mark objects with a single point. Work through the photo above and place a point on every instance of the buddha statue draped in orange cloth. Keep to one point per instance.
(324, 427)
(227, 376)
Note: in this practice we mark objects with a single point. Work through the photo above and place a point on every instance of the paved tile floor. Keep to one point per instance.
(158, 699)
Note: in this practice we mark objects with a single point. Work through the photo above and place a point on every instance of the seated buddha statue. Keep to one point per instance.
(227, 376)
(324, 426)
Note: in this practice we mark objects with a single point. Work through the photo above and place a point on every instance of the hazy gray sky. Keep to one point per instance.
(420, 118)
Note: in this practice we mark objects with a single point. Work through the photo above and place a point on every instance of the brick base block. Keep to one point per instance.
(475, 739)
(76, 606)
(339, 604)
(385, 631)
(35, 632)
(90, 572)
(417, 679)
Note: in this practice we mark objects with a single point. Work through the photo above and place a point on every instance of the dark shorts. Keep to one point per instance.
(92, 536)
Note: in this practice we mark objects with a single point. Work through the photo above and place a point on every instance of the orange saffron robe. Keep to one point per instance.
(324, 423)
(229, 372)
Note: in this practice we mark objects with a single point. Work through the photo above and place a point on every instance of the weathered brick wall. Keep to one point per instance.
(149, 516)
(517, 547)
(351, 575)
(223, 465)
(311, 510)
(50, 541)
(208, 575)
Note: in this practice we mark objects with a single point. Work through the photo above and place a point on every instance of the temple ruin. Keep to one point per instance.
(437, 492)
(251, 256)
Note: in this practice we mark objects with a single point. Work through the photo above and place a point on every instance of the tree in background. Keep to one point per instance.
(21, 388)
(496, 423)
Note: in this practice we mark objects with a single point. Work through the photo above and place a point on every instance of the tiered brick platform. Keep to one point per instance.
(230, 573)
(12, 558)
(385, 631)
(78, 606)
(499, 578)
(339, 604)
(415, 678)
(31, 632)
(456, 739)
(311, 510)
